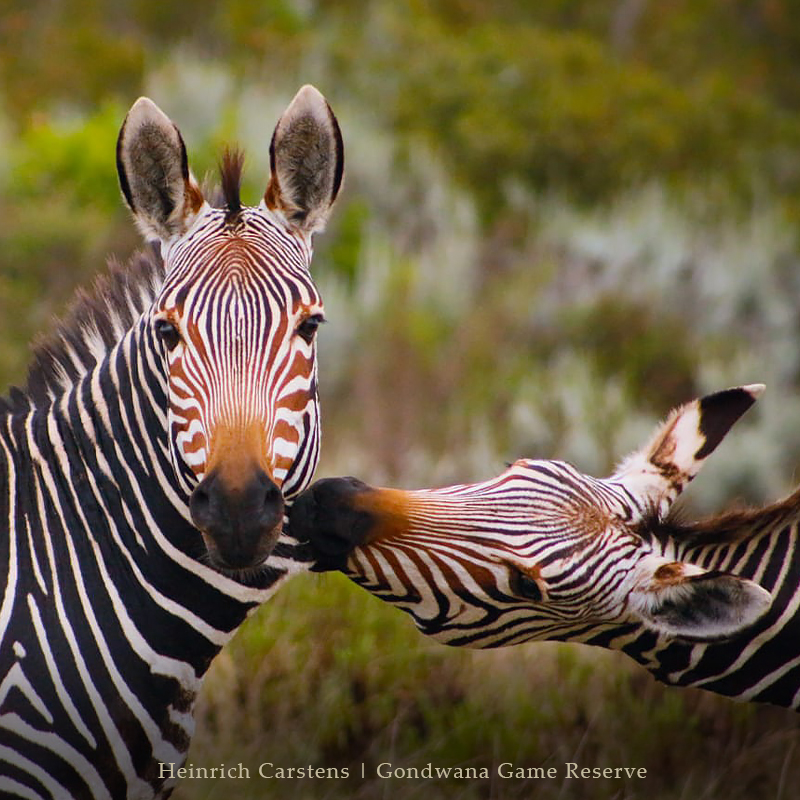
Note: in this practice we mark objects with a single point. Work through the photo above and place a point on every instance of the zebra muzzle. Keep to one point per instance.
(327, 516)
(240, 524)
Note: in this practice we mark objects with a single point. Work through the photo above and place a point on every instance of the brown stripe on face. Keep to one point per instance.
(587, 517)
(288, 433)
(302, 366)
(663, 455)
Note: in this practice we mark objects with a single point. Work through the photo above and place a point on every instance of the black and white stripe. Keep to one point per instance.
(109, 618)
(763, 665)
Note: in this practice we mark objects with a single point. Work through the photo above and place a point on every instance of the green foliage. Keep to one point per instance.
(263, 27)
(62, 218)
(582, 98)
(585, 98)
(343, 247)
(69, 159)
(72, 50)
(557, 111)
(456, 346)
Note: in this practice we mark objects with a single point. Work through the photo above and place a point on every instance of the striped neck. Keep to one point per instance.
(109, 619)
(763, 664)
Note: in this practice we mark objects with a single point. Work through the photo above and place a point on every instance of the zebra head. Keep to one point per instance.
(235, 320)
(542, 551)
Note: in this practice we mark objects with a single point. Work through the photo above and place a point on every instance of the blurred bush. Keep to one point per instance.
(582, 97)
(62, 217)
(558, 111)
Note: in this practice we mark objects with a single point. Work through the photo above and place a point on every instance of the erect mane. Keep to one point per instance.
(731, 526)
(230, 172)
(95, 321)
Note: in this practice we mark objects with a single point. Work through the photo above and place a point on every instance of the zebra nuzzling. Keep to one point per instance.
(146, 468)
(544, 552)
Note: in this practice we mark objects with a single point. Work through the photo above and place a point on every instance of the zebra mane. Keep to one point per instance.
(230, 172)
(731, 526)
(95, 321)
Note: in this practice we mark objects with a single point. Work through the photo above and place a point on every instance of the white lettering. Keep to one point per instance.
(576, 771)
(508, 770)
(266, 765)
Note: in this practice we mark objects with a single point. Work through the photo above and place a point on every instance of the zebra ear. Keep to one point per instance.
(306, 161)
(681, 599)
(154, 173)
(658, 472)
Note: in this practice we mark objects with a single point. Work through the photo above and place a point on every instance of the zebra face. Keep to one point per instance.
(237, 327)
(531, 554)
(235, 320)
(542, 551)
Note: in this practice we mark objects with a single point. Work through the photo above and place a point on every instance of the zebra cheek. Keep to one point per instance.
(189, 446)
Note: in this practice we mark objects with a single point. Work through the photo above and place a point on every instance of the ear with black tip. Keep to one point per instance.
(678, 599)
(307, 162)
(154, 173)
(658, 472)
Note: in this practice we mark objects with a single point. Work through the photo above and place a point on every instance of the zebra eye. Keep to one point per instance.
(168, 333)
(525, 586)
(308, 327)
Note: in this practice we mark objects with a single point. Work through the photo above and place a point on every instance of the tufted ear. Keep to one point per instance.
(658, 472)
(154, 173)
(307, 162)
(679, 599)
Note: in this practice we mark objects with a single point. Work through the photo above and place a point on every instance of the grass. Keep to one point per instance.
(328, 677)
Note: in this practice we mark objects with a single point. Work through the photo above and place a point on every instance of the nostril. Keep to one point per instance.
(273, 495)
(270, 504)
(201, 496)
(243, 521)
(200, 504)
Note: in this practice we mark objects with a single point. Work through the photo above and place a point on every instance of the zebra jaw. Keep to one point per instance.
(542, 550)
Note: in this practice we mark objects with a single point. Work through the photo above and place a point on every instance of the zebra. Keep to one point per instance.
(544, 552)
(147, 466)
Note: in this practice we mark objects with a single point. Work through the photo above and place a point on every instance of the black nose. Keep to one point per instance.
(241, 523)
(326, 517)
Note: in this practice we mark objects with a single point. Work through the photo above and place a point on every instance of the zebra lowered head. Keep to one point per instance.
(543, 551)
(236, 318)
(145, 469)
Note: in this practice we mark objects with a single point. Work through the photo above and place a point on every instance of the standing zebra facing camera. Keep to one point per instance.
(544, 552)
(147, 466)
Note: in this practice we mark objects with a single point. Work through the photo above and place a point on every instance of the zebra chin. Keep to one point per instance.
(241, 525)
